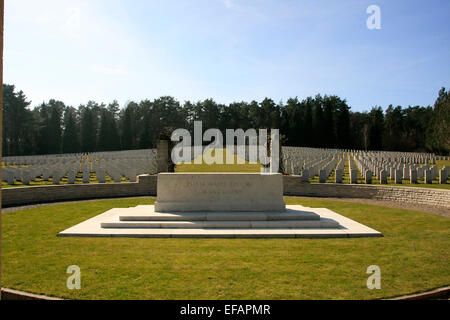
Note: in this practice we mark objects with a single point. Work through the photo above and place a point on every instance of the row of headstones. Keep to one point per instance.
(386, 161)
(325, 172)
(396, 174)
(389, 162)
(399, 175)
(312, 160)
(26, 175)
(115, 168)
(405, 157)
(399, 171)
(312, 169)
(80, 157)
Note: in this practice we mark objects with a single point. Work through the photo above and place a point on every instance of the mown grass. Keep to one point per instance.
(413, 256)
(214, 167)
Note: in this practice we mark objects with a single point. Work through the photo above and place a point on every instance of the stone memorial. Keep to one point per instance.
(219, 192)
(220, 205)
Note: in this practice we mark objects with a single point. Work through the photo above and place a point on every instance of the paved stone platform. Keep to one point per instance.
(296, 222)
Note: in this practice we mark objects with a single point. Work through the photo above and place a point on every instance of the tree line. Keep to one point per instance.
(321, 121)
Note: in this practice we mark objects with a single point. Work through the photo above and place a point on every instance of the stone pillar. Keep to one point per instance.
(162, 156)
(428, 177)
(398, 176)
(383, 177)
(413, 176)
(368, 177)
(338, 176)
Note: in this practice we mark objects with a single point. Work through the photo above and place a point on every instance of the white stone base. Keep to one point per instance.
(296, 222)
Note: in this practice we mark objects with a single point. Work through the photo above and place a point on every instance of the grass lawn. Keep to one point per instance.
(213, 167)
(413, 255)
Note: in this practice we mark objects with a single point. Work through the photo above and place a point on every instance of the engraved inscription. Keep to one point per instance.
(212, 189)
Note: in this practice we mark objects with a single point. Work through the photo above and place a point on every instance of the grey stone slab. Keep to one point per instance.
(219, 192)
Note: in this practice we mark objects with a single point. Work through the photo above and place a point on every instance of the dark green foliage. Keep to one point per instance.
(17, 116)
(70, 141)
(88, 127)
(320, 121)
(439, 131)
(376, 128)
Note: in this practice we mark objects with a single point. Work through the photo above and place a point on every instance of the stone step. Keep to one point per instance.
(247, 224)
(342, 227)
(222, 216)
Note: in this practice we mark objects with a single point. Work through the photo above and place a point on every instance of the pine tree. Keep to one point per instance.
(103, 135)
(376, 128)
(343, 126)
(127, 129)
(318, 126)
(88, 130)
(70, 139)
(440, 129)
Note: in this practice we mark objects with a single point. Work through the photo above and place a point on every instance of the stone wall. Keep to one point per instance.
(146, 186)
(436, 197)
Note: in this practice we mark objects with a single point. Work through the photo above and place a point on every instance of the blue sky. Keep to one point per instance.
(229, 50)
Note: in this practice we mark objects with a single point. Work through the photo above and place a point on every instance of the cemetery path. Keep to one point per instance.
(440, 211)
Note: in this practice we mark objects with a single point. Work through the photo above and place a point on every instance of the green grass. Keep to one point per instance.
(413, 256)
(191, 167)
